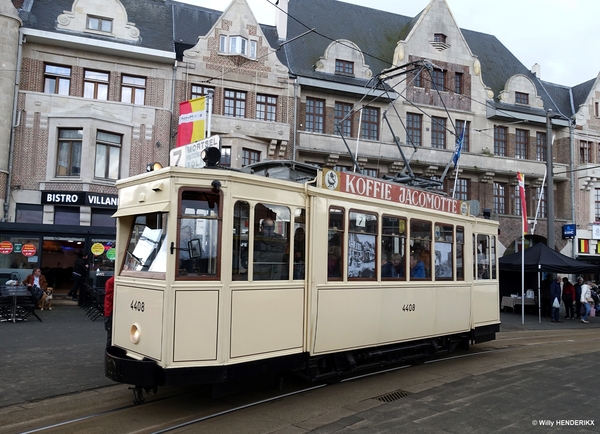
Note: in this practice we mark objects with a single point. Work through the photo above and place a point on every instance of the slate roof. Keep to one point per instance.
(145, 14)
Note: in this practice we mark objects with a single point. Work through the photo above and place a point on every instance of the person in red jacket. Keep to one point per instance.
(568, 296)
(108, 308)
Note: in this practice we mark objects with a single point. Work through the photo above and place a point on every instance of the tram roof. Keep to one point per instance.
(288, 170)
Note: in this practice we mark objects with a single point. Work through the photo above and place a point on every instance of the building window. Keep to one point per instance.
(250, 156)
(103, 217)
(439, 79)
(373, 173)
(69, 152)
(66, 215)
(31, 213)
(344, 67)
(461, 190)
(413, 129)
(596, 203)
(541, 195)
(225, 156)
(315, 115)
(521, 98)
(597, 109)
(99, 23)
(585, 152)
(266, 108)
(517, 196)
(108, 155)
(499, 198)
(95, 85)
(237, 45)
(439, 37)
(540, 146)
(417, 79)
(235, 103)
(464, 126)
(223, 44)
(253, 49)
(369, 128)
(521, 142)
(500, 141)
(438, 132)
(341, 168)
(197, 91)
(133, 89)
(458, 83)
(598, 152)
(343, 119)
(57, 79)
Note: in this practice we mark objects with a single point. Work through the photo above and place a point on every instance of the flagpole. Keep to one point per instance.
(523, 279)
(455, 181)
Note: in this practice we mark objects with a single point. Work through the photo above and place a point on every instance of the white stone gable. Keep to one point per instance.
(77, 19)
(523, 84)
(344, 50)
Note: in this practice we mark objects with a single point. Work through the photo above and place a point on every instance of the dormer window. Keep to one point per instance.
(237, 45)
(439, 37)
(522, 98)
(99, 24)
(344, 67)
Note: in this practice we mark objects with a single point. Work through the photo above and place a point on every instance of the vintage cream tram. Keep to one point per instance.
(223, 274)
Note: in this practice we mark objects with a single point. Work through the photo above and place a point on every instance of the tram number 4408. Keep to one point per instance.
(408, 308)
(137, 305)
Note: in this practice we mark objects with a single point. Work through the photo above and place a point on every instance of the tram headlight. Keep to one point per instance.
(134, 333)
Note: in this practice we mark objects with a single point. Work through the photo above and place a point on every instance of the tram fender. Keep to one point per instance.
(122, 369)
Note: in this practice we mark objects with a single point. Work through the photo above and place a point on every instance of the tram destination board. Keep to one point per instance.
(191, 155)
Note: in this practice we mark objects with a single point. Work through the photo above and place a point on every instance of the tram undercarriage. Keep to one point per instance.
(146, 375)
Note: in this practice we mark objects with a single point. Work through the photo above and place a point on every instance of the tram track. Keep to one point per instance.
(165, 414)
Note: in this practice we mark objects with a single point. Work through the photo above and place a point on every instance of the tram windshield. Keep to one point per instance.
(147, 249)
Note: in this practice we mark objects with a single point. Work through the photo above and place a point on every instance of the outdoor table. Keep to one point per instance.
(516, 301)
(14, 292)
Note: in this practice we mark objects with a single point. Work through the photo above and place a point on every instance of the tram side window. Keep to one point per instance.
(460, 253)
(239, 250)
(299, 244)
(493, 256)
(362, 245)
(482, 257)
(444, 242)
(271, 242)
(393, 247)
(199, 233)
(334, 244)
(147, 249)
(420, 249)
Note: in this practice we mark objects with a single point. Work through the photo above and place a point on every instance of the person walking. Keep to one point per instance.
(578, 297)
(586, 296)
(568, 296)
(108, 309)
(555, 298)
(80, 269)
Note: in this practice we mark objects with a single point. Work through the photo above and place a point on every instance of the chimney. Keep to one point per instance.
(537, 70)
(281, 18)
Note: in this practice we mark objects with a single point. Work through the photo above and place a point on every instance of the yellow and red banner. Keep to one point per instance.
(521, 179)
(584, 246)
(192, 121)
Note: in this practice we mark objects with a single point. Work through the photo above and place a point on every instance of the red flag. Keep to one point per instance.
(521, 179)
(191, 121)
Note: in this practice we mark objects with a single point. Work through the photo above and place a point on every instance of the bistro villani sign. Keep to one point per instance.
(80, 198)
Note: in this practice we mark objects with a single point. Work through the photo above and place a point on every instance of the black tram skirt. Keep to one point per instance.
(146, 373)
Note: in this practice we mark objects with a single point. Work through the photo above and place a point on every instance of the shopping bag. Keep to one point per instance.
(593, 311)
(556, 303)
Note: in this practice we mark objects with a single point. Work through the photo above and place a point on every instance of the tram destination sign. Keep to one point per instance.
(348, 182)
(191, 155)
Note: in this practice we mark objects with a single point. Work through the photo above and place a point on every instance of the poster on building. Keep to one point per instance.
(192, 121)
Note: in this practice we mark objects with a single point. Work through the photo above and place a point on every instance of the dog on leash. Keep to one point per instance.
(46, 301)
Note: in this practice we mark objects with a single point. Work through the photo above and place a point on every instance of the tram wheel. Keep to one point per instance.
(138, 395)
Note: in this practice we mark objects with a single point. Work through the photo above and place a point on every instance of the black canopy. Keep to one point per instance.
(540, 257)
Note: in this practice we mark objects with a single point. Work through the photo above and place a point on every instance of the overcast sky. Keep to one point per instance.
(562, 36)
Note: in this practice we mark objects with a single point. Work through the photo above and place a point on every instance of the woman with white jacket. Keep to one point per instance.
(586, 294)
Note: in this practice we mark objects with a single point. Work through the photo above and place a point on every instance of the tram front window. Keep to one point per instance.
(147, 250)
(199, 225)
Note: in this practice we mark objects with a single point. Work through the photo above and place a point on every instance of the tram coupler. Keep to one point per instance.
(138, 393)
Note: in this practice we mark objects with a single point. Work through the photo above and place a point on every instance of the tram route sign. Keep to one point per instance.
(191, 155)
(347, 182)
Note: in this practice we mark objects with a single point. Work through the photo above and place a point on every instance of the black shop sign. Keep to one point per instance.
(80, 198)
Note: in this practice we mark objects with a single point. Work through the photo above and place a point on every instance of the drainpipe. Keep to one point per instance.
(14, 124)
(573, 190)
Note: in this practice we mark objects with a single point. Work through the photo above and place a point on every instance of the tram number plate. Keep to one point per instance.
(409, 307)
(137, 305)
